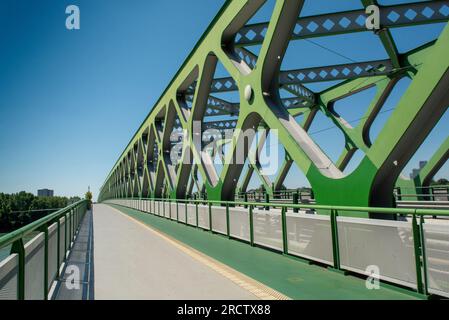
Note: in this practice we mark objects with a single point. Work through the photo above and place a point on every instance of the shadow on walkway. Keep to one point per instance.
(77, 277)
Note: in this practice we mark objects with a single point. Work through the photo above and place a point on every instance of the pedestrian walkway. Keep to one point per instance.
(291, 277)
(77, 280)
(134, 262)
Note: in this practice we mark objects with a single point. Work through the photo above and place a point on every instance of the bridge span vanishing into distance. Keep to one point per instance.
(175, 218)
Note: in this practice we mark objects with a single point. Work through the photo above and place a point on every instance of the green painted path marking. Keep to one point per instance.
(296, 279)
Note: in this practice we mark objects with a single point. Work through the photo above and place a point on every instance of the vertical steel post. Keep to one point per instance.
(196, 212)
(245, 199)
(416, 245)
(19, 248)
(335, 245)
(228, 227)
(295, 201)
(251, 225)
(210, 216)
(267, 200)
(58, 252)
(284, 230)
(70, 228)
(44, 229)
(423, 252)
(65, 235)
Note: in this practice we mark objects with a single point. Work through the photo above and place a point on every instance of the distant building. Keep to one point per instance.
(415, 172)
(45, 193)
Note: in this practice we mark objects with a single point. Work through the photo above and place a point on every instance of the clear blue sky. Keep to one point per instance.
(71, 100)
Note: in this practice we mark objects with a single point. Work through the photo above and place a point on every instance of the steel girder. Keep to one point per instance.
(146, 169)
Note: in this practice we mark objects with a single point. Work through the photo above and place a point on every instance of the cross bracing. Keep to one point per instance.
(278, 96)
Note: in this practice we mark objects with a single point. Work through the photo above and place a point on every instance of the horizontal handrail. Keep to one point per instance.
(35, 210)
(13, 236)
(406, 211)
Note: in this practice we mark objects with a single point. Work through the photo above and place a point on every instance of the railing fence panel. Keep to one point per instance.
(9, 269)
(34, 268)
(384, 245)
(437, 256)
(310, 236)
(219, 220)
(239, 223)
(268, 228)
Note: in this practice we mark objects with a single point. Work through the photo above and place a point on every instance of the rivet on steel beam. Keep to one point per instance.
(248, 93)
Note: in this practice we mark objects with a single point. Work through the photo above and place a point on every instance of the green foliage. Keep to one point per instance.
(440, 182)
(88, 196)
(19, 209)
(73, 200)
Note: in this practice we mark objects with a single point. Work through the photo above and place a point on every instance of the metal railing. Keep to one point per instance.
(37, 214)
(430, 193)
(70, 217)
(334, 217)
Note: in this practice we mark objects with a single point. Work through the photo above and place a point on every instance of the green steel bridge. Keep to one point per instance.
(171, 224)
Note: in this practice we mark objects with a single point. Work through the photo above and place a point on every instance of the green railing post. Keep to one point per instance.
(423, 252)
(245, 199)
(44, 229)
(65, 235)
(251, 226)
(77, 221)
(295, 201)
(58, 252)
(165, 209)
(335, 245)
(196, 212)
(416, 246)
(398, 193)
(228, 227)
(267, 200)
(210, 216)
(77, 211)
(19, 248)
(74, 222)
(70, 228)
(284, 230)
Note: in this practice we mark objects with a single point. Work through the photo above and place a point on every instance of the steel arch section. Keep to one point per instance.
(147, 168)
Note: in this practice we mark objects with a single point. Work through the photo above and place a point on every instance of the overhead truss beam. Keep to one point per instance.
(352, 21)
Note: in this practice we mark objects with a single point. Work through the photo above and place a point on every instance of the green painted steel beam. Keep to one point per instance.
(435, 163)
(146, 167)
(349, 22)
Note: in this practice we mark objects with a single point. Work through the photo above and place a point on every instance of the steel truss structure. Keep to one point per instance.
(148, 167)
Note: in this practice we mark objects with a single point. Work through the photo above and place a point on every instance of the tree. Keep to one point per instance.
(88, 197)
(20, 209)
(442, 182)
